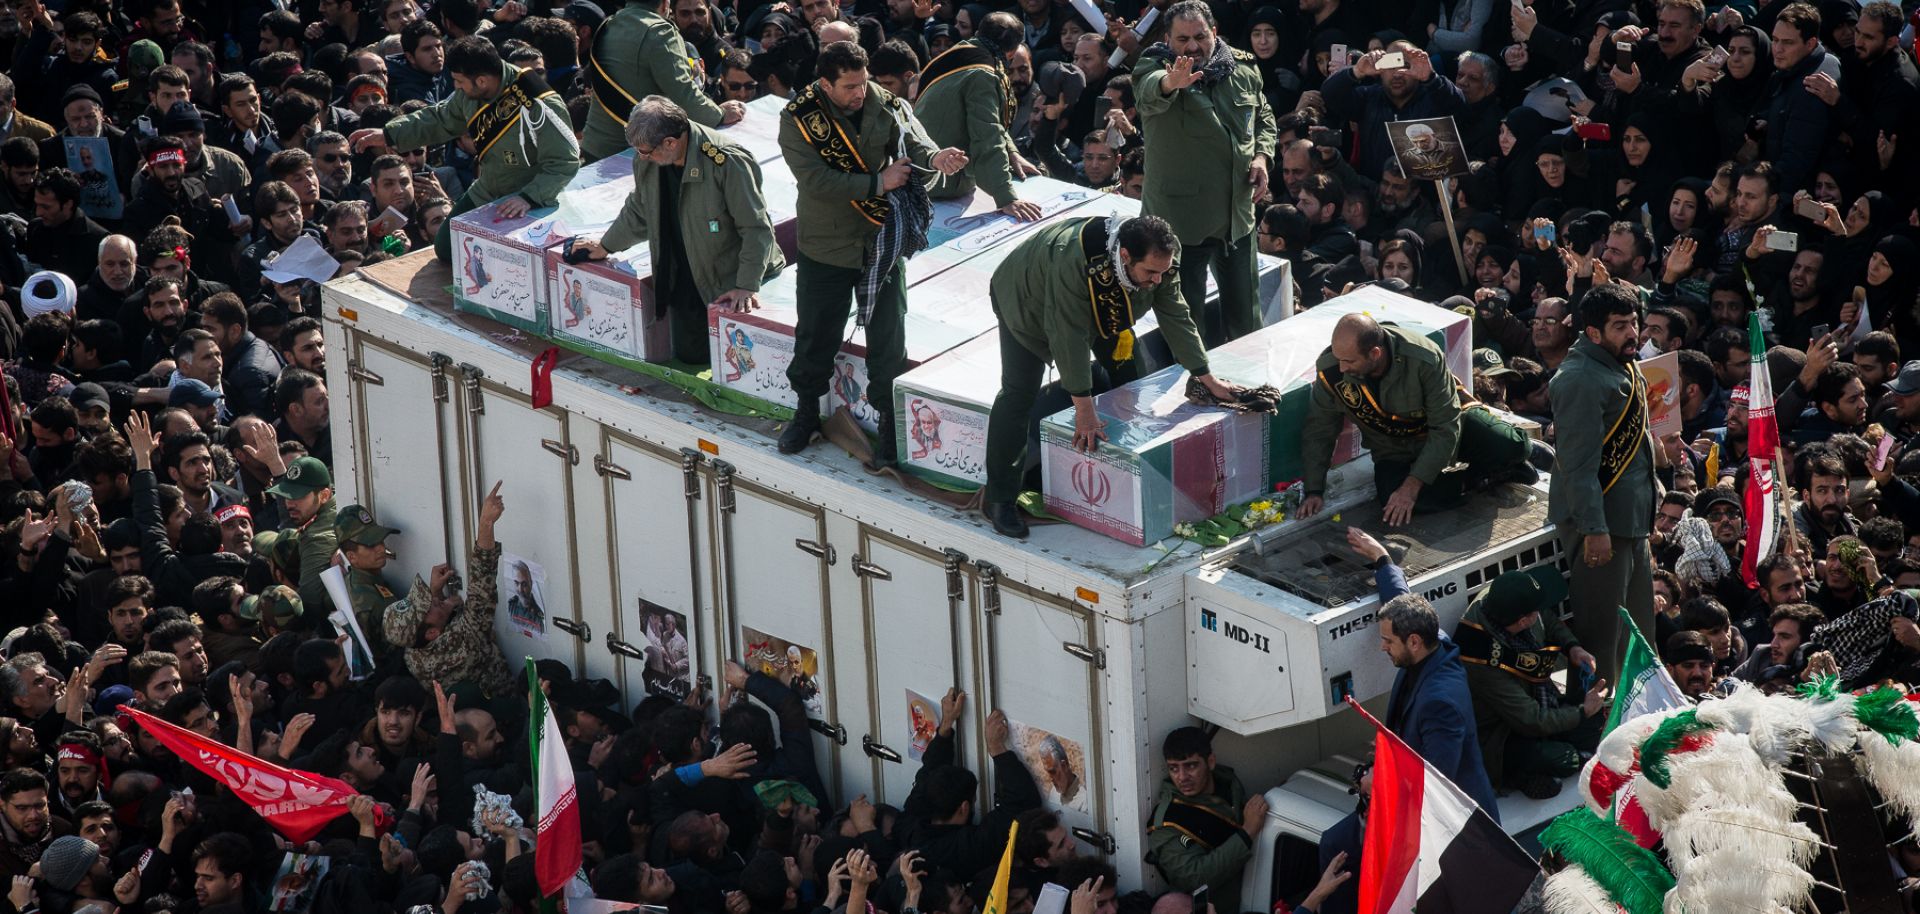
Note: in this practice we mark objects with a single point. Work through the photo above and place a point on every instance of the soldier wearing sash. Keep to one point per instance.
(850, 144)
(636, 53)
(1413, 416)
(1069, 295)
(965, 101)
(524, 143)
(1604, 494)
(1512, 642)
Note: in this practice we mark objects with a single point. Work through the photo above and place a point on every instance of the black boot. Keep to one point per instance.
(887, 452)
(1006, 518)
(804, 425)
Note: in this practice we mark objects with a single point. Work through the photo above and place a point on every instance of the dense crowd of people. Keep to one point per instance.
(1633, 178)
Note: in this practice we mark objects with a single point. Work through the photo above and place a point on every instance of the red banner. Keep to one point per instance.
(297, 803)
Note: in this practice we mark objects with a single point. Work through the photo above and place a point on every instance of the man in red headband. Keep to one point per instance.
(169, 191)
(80, 770)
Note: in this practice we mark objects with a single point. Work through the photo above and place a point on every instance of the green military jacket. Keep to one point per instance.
(1200, 142)
(1188, 864)
(641, 53)
(370, 596)
(318, 542)
(831, 229)
(1041, 295)
(723, 217)
(1589, 393)
(1504, 702)
(1417, 390)
(963, 109)
(535, 155)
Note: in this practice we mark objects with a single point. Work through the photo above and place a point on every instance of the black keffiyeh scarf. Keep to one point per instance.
(1859, 638)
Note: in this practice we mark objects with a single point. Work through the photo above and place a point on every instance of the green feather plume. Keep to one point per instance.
(1631, 874)
(1885, 711)
(1822, 688)
(1663, 741)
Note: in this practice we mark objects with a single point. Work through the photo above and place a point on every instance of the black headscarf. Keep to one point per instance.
(1893, 302)
(1277, 78)
(1704, 222)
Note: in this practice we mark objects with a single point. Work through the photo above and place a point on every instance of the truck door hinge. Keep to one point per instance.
(605, 467)
(823, 551)
(580, 630)
(1098, 839)
(867, 569)
(1092, 655)
(563, 450)
(476, 399)
(956, 582)
(989, 587)
(440, 362)
(622, 648)
(875, 750)
(723, 481)
(364, 376)
(690, 460)
(833, 732)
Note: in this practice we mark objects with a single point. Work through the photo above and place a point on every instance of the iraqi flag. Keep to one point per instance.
(1428, 846)
(556, 848)
(1761, 503)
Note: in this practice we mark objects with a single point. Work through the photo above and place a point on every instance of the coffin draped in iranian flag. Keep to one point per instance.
(1167, 461)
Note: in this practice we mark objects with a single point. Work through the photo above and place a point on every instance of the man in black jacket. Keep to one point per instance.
(938, 817)
(61, 237)
(251, 365)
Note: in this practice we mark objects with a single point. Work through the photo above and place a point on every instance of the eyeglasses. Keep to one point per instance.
(1723, 514)
(741, 87)
(333, 157)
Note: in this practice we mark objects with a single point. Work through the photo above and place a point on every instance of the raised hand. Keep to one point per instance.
(1179, 76)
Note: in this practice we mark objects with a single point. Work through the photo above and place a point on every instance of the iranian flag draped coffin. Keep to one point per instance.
(1167, 461)
(607, 307)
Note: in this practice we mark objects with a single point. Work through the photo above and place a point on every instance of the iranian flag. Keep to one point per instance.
(556, 849)
(1762, 499)
(1645, 684)
(1428, 846)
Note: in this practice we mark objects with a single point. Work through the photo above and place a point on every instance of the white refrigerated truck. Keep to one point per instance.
(623, 493)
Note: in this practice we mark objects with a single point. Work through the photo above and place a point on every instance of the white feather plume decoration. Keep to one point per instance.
(1778, 882)
(1894, 771)
(1572, 891)
(1617, 750)
(1751, 833)
(1832, 724)
(1775, 727)
(1721, 773)
(1584, 783)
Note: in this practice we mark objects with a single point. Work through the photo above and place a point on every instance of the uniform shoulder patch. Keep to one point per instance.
(384, 591)
(122, 85)
(713, 152)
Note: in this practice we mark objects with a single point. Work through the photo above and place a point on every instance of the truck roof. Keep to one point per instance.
(417, 288)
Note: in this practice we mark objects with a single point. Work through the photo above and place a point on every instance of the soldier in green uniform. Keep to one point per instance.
(1413, 416)
(696, 202)
(1603, 493)
(307, 488)
(967, 102)
(1203, 824)
(364, 543)
(849, 144)
(1069, 295)
(1512, 642)
(636, 53)
(1210, 140)
(526, 149)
